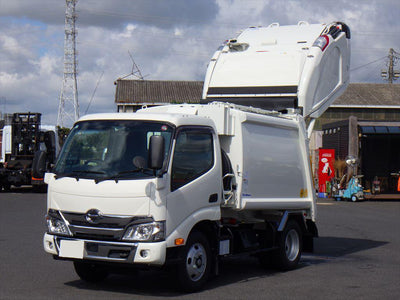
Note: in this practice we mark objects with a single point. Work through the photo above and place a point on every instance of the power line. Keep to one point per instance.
(94, 92)
(380, 33)
(172, 20)
(367, 64)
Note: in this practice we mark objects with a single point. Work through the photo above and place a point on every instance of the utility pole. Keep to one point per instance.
(68, 109)
(390, 74)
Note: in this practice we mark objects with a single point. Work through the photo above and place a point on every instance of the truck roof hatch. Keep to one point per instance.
(277, 67)
(325, 74)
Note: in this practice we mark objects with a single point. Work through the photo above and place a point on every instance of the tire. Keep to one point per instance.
(353, 198)
(90, 272)
(194, 270)
(290, 246)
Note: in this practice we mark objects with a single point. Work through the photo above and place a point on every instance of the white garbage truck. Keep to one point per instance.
(182, 186)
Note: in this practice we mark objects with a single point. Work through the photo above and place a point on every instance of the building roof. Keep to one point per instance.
(159, 92)
(370, 94)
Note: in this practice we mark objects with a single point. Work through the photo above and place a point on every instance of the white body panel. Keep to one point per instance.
(6, 142)
(325, 76)
(274, 57)
(122, 198)
(190, 203)
(268, 153)
(276, 62)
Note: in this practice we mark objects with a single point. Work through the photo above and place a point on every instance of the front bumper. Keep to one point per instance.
(119, 252)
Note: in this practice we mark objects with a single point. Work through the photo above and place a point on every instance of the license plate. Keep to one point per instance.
(72, 249)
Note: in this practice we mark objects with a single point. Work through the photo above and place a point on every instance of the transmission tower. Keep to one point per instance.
(68, 109)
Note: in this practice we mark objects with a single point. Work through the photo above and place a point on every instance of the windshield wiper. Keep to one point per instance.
(75, 174)
(123, 173)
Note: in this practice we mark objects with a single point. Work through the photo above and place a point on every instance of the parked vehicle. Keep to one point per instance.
(26, 145)
(184, 185)
(352, 191)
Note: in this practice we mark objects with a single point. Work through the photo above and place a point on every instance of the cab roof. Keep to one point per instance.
(178, 115)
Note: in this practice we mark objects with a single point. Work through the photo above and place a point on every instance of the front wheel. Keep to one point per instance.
(194, 270)
(90, 272)
(290, 246)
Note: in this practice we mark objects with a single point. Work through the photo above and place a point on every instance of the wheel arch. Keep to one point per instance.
(201, 219)
(307, 227)
(210, 229)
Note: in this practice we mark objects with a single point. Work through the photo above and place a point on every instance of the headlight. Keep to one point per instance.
(56, 224)
(148, 232)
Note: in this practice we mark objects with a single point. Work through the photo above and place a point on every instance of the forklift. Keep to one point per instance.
(32, 151)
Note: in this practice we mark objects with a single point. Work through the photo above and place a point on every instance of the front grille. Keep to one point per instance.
(105, 228)
(93, 236)
(99, 225)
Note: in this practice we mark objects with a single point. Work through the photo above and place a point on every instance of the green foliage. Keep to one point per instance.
(63, 133)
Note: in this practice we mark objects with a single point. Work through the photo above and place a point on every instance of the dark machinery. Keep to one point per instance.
(32, 151)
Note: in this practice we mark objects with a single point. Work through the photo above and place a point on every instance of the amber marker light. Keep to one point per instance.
(179, 241)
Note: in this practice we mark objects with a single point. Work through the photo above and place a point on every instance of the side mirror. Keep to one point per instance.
(48, 177)
(39, 164)
(156, 152)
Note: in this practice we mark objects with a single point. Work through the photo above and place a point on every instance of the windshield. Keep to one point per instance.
(104, 149)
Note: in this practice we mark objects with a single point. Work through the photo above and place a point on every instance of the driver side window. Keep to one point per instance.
(193, 156)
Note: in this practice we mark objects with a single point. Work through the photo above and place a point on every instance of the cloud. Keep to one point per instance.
(116, 13)
(47, 11)
(168, 40)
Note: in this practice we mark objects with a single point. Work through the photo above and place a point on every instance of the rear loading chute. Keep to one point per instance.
(303, 66)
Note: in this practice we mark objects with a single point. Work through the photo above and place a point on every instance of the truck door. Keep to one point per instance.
(195, 177)
(325, 74)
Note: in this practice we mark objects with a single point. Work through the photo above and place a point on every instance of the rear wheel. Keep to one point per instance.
(290, 246)
(194, 270)
(90, 272)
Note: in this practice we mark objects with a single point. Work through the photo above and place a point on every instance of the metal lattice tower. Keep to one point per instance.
(68, 109)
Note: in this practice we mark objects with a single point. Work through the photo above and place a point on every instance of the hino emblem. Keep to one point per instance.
(93, 216)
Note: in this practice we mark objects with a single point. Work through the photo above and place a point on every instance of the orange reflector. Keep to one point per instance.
(179, 241)
(33, 178)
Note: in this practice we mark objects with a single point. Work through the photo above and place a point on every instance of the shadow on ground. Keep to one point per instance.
(337, 246)
(26, 189)
(162, 283)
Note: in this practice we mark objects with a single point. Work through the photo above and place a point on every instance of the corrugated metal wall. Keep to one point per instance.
(336, 136)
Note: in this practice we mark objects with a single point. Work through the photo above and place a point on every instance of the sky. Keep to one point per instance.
(168, 40)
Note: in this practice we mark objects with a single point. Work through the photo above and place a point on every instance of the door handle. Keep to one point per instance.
(213, 198)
